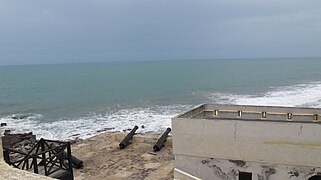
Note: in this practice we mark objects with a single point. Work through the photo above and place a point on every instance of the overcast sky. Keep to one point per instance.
(58, 31)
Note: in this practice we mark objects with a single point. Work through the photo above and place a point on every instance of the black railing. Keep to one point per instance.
(47, 157)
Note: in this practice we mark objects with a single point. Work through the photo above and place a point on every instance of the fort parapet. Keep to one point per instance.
(247, 142)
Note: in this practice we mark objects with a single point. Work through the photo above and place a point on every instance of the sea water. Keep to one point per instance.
(65, 101)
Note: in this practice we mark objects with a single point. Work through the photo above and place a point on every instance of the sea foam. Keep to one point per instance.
(150, 120)
(156, 119)
(301, 95)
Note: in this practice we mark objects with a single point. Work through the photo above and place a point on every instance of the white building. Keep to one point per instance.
(228, 142)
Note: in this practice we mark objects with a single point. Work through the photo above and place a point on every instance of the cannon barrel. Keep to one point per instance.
(126, 140)
(75, 161)
(158, 146)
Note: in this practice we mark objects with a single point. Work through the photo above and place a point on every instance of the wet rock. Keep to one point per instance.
(77, 139)
(105, 129)
(7, 132)
(129, 129)
(17, 117)
(3, 124)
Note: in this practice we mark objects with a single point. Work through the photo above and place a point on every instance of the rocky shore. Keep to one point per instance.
(103, 158)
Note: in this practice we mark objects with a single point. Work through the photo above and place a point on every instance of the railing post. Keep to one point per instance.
(43, 155)
(69, 161)
(35, 164)
(6, 156)
(27, 163)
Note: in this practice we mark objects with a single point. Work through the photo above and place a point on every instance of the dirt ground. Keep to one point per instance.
(103, 158)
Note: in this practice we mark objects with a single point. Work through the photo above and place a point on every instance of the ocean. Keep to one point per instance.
(65, 101)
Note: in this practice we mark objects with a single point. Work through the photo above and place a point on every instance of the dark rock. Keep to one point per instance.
(20, 117)
(77, 139)
(3, 124)
(25, 145)
(143, 126)
(9, 140)
(105, 129)
(7, 131)
(127, 129)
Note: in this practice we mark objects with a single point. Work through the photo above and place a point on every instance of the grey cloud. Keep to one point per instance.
(42, 31)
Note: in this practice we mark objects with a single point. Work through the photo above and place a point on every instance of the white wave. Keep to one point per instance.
(302, 95)
(157, 118)
(154, 119)
(20, 125)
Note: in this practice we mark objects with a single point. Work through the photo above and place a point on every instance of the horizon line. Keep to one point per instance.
(157, 60)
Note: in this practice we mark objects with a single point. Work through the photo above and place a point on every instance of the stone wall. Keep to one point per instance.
(221, 169)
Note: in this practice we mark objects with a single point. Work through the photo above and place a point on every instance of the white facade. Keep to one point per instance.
(237, 142)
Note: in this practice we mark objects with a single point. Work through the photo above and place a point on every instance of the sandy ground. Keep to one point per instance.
(103, 158)
(10, 173)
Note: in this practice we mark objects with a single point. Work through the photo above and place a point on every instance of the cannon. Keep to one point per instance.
(126, 140)
(158, 146)
(75, 161)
